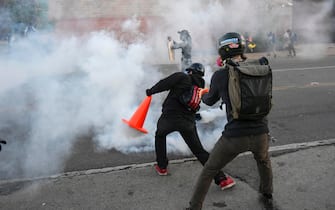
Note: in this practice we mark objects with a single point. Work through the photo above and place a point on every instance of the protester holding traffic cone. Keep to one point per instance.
(177, 117)
(138, 118)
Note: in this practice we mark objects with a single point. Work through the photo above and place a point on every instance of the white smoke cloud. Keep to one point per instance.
(208, 20)
(66, 89)
(315, 29)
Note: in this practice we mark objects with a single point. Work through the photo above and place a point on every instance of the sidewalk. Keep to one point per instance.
(303, 179)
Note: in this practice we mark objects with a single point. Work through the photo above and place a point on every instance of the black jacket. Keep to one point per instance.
(176, 84)
(234, 128)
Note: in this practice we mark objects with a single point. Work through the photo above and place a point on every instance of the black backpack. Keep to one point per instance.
(250, 90)
(191, 98)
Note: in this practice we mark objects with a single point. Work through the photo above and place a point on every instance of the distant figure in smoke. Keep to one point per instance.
(290, 38)
(2, 142)
(177, 117)
(249, 43)
(29, 29)
(271, 41)
(186, 49)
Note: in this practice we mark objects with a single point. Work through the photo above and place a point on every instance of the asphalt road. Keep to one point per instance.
(304, 110)
(303, 100)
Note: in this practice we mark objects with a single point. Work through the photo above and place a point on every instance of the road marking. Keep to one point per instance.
(310, 85)
(304, 145)
(305, 68)
(288, 147)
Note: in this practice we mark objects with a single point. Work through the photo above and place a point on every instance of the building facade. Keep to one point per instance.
(82, 16)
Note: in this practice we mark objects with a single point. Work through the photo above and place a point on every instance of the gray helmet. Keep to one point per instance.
(230, 45)
(196, 68)
(183, 32)
(184, 35)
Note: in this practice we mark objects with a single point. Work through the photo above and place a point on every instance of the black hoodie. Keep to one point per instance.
(176, 83)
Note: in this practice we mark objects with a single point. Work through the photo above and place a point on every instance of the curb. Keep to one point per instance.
(288, 148)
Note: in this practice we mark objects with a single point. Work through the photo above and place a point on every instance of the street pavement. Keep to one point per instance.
(303, 179)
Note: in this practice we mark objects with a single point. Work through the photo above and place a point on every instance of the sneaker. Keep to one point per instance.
(161, 171)
(227, 183)
(267, 195)
(267, 202)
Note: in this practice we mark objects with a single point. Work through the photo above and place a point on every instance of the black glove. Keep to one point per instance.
(2, 142)
(263, 61)
(198, 116)
(221, 106)
(148, 92)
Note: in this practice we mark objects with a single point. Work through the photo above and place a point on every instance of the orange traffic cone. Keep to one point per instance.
(137, 120)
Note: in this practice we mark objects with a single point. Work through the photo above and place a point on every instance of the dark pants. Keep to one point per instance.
(186, 126)
(291, 49)
(224, 151)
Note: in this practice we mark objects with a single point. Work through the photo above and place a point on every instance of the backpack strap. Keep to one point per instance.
(233, 81)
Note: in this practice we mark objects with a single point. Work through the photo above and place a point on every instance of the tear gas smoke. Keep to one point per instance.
(53, 94)
(316, 30)
(54, 90)
(208, 20)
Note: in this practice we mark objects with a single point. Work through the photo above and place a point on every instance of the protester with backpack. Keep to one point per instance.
(247, 127)
(176, 116)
